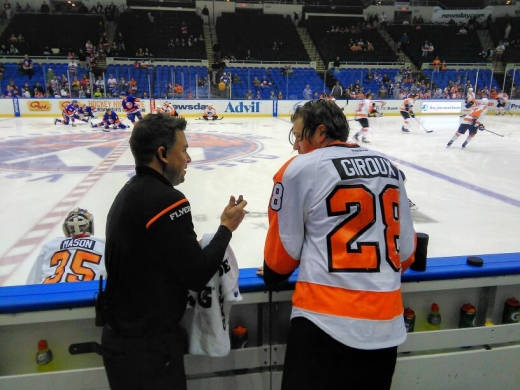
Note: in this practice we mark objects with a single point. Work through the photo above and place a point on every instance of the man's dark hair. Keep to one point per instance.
(322, 112)
(152, 131)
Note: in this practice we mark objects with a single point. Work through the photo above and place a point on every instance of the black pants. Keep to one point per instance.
(133, 363)
(314, 360)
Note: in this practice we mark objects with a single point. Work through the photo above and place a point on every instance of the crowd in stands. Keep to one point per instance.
(347, 36)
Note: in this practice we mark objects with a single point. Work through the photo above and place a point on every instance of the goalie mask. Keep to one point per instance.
(78, 222)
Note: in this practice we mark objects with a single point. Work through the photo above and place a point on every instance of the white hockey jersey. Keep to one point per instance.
(208, 330)
(340, 214)
(67, 259)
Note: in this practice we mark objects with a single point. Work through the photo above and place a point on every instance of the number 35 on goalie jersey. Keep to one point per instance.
(64, 260)
(349, 215)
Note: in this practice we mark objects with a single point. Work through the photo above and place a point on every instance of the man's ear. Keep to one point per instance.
(321, 130)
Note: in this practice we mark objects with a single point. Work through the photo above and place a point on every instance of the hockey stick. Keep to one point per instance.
(210, 120)
(509, 112)
(492, 132)
(424, 128)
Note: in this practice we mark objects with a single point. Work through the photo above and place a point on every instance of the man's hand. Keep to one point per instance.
(233, 213)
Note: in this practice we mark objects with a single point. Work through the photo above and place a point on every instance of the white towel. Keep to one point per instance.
(209, 328)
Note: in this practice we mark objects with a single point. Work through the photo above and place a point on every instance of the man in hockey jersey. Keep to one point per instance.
(502, 100)
(406, 111)
(85, 113)
(470, 98)
(471, 122)
(341, 215)
(110, 121)
(131, 106)
(79, 256)
(68, 114)
(169, 109)
(210, 112)
(364, 110)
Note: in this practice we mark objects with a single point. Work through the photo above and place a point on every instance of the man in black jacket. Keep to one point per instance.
(153, 258)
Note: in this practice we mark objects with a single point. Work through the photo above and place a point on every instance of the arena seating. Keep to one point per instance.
(336, 44)
(70, 31)
(482, 77)
(238, 33)
(346, 77)
(497, 28)
(448, 45)
(140, 33)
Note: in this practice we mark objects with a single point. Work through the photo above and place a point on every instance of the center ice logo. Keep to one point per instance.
(83, 152)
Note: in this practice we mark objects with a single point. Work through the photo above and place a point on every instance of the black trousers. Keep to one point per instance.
(314, 360)
(138, 363)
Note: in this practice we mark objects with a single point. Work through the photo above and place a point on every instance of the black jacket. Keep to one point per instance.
(153, 256)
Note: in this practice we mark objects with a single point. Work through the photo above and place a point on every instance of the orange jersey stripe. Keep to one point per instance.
(368, 305)
(275, 255)
(165, 211)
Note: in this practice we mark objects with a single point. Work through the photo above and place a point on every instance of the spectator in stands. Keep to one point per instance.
(307, 92)
(205, 14)
(98, 94)
(462, 31)
(132, 86)
(184, 30)
(121, 42)
(76, 85)
(100, 84)
(287, 70)
(249, 95)
(280, 96)
(112, 85)
(202, 82)
(26, 66)
(72, 67)
(336, 64)
(484, 92)
(7, 9)
(436, 64)
(425, 48)
(337, 91)
(177, 91)
(404, 41)
(237, 79)
(507, 31)
(382, 20)
(499, 51)
(296, 18)
(44, 8)
(272, 96)
(256, 82)
(258, 95)
(13, 50)
(225, 79)
(382, 93)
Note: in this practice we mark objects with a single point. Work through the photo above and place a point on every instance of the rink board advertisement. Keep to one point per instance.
(232, 108)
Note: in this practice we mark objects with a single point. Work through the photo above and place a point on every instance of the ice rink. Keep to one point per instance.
(469, 200)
